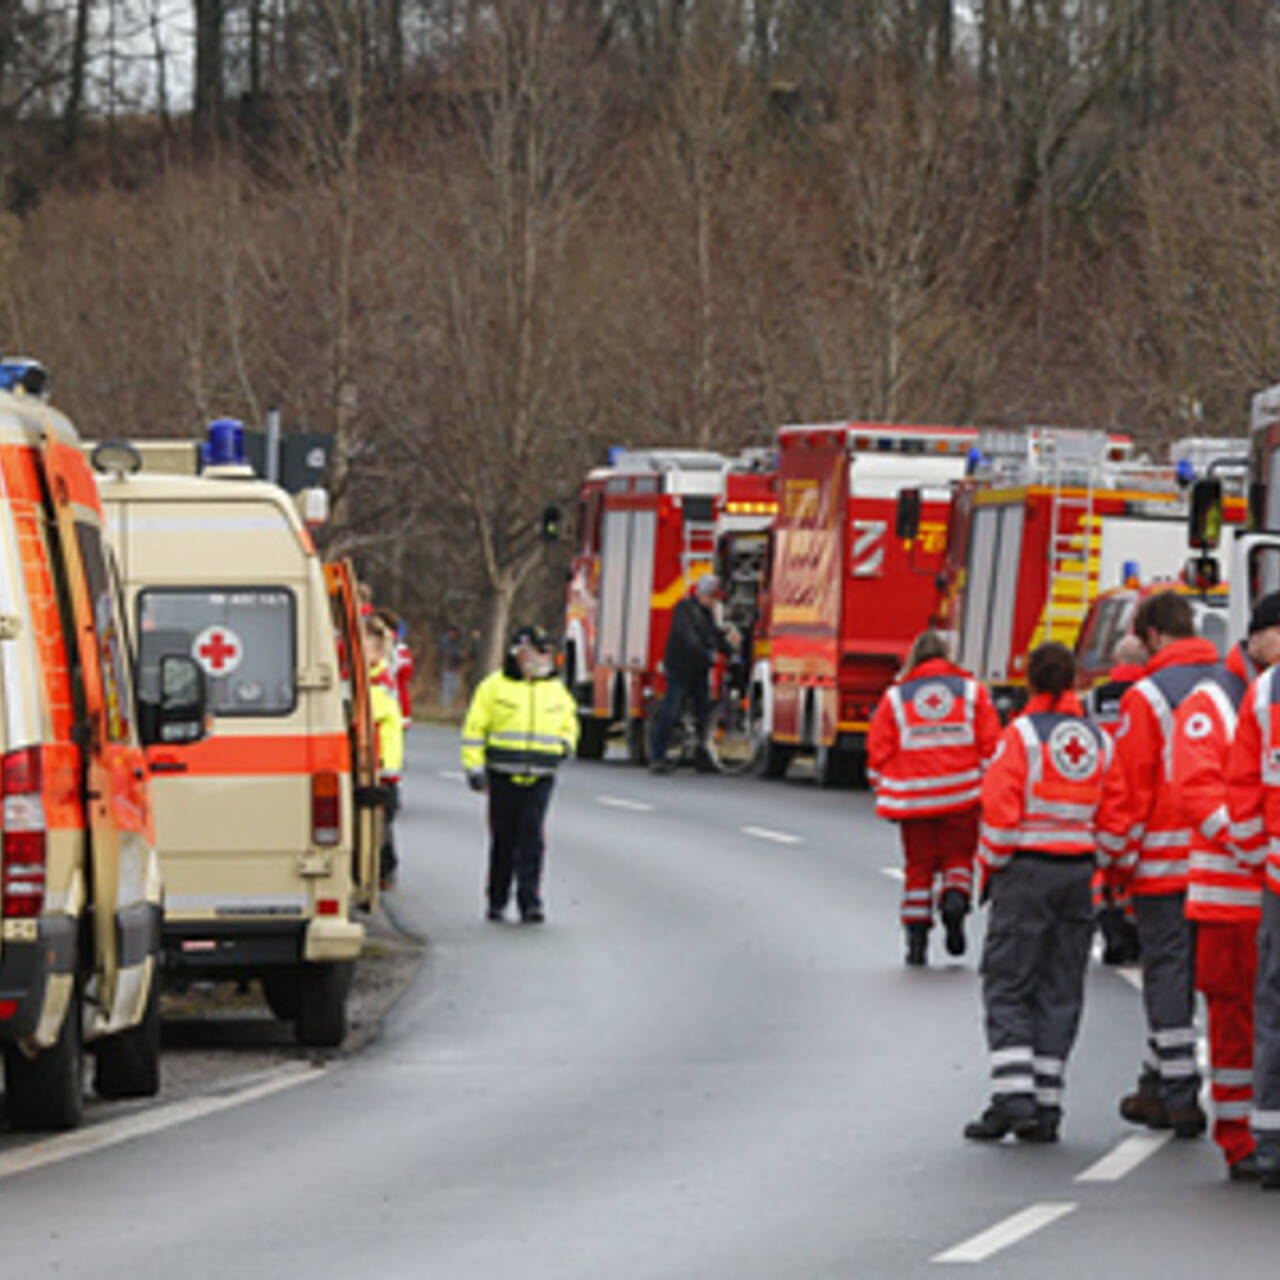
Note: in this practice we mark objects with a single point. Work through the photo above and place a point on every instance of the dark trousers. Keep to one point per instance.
(387, 860)
(1168, 941)
(681, 685)
(516, 845)
(1033, 967)
(1266, 1034)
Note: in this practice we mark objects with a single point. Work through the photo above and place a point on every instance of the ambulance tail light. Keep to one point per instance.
(25, 838)
(326, 810)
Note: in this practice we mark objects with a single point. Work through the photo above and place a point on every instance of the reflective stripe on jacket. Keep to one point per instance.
(1253, 779)
(1140, 828)
(1041, 791)
(932, 734)
(521, 727)
(1218, 886)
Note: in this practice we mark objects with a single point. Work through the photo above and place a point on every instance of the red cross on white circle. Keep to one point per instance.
(1074, 749)
(218, 650)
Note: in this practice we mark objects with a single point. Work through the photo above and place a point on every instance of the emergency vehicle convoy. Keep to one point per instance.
(1048, 518)
(268, 843)
(649, 525)
(80, 890)
(845, 595)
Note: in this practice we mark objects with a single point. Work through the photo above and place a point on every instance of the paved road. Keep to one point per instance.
(710, 1063)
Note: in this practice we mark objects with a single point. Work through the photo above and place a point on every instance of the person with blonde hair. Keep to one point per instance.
(389, 728)
(931, 736)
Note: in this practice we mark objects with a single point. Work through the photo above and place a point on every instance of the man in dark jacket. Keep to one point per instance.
(692, 644)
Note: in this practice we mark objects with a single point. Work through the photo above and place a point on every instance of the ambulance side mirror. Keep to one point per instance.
(907, 514)
(179, 715)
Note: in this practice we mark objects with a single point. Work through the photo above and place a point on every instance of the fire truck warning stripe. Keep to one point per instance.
(270, 754)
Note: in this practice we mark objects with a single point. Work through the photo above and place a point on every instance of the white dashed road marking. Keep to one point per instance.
(454, 775)
(980, 1247)
(1125, 1158)
(621, 802)
(894, 873)
(778, 837)
(67, 1146)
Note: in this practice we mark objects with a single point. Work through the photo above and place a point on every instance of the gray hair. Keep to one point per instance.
(706, 584)
(928, 644)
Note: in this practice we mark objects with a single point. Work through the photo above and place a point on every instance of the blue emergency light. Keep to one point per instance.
(972, 459)
(1185, 471)
(1130, 572)
(225, 445)
(21, 373)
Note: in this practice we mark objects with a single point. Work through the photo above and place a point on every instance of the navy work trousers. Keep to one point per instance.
(681, 685)
(516, 844)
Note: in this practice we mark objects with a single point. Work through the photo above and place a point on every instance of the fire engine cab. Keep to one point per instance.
(846, 595)
(1048, 517)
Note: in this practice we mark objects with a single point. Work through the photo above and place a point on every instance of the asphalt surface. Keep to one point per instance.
(709, 1063)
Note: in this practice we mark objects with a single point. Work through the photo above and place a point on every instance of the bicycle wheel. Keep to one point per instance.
(730, 740)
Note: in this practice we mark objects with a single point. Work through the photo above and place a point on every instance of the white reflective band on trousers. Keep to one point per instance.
(1232, 1077)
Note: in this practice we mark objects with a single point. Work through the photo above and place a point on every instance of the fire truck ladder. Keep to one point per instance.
(1073, 463)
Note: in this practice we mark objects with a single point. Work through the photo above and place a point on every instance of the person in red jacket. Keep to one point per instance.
(1112, 902)
(1253, 797)
(1142, 834)
(1223, 897)
(1039, 798)
(933, 732)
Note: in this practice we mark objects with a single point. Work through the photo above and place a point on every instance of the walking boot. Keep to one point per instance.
(1245, 1169)
(1268, 1170)
(917, 944)
(955, 906)
(1146, 1106)
(1045, 1128)
(996, 1121)
(1187, 1122)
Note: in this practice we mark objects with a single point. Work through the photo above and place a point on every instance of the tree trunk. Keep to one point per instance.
(206, 114)
(75, 85)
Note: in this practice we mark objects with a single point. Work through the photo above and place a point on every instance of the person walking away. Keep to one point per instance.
(1224, 899)
(1142, 835)
(1253, 797)
(1112, 901)
(932, 733)
(452, 656)
(1036, 857)
(692, 644)
(521, 723)
(389, 730)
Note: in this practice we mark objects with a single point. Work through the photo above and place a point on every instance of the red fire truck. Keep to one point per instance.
(845, 596)
(1050, 517)
(649, 525)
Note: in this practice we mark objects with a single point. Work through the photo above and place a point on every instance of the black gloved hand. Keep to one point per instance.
(477, 780)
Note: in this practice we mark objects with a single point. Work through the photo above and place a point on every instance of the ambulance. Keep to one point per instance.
(80, 888)
(262, 825)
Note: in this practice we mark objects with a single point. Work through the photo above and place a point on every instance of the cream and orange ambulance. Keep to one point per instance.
(257, 823)
(80, 888)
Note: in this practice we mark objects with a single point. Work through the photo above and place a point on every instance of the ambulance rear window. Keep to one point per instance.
(243, 638)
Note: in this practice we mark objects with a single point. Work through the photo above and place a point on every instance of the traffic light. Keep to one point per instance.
(549, 530)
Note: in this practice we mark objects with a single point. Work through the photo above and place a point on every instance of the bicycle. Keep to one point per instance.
(729, 746)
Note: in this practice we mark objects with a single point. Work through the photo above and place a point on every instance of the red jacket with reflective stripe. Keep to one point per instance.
(1253, 778)
(1218, 887)
(933, 732)
(1042, 789)
(1140, 827)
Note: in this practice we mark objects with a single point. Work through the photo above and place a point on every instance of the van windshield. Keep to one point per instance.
(242, 638)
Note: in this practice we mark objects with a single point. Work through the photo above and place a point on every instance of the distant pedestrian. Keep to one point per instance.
(404, 667)
(1036, 856)
(521, 724)
(389, 728)
(933, 732)
(692, 645)
(451, 655)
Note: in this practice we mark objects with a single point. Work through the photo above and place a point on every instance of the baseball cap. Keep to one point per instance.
(1266, 613)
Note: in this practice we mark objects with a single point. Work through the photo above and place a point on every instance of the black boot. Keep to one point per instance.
(955, 906)
(1045, 1128)
(996, 1121)
(917, 944)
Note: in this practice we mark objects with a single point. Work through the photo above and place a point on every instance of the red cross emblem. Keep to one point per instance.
(933, 701)
(1074, 751)
(218, 650)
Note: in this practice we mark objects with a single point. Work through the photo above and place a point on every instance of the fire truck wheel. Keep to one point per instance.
(322, 1004)
(47, 1091)
(773, 759)
(836, 767)
(127, 1065)
(638, 729)
(283, 990)
(592, 732)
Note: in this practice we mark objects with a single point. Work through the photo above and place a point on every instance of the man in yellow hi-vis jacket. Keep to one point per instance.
(521, 723)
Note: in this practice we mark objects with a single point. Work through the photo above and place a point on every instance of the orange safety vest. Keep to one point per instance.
(1042, 789)
(932, 734)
